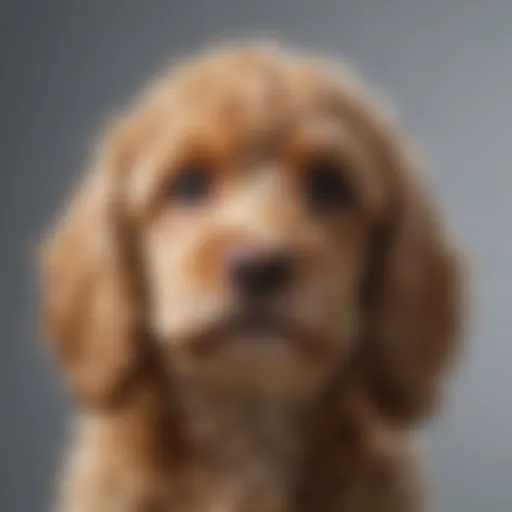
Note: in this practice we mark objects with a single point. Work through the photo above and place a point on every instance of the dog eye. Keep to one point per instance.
(325, 186)
(191, 185)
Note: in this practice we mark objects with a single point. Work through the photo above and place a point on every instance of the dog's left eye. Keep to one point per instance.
(325, 187)
(191, 185)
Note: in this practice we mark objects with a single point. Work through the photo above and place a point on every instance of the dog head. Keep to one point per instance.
(262, 220)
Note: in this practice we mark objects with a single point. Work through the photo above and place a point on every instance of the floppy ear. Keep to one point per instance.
(89, 302)
(415, 297)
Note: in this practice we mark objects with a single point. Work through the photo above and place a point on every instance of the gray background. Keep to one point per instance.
(446, 63)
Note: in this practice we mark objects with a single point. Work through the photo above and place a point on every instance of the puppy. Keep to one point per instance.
(252, 297)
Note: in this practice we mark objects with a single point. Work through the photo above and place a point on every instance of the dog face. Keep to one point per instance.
(278, 224)
(255, 206)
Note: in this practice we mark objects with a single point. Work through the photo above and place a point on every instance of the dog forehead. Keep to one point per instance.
(244, 80)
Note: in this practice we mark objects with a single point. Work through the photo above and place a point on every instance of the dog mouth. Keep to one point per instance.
(256, 321)
(257, 325)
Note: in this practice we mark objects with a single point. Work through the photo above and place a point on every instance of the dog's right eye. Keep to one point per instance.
(191, 185)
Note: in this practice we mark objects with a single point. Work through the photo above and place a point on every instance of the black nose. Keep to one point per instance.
(259, 273)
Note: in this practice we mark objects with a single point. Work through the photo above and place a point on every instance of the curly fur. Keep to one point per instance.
(161, 427)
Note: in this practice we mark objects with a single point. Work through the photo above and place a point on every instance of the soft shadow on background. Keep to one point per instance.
(445, 64)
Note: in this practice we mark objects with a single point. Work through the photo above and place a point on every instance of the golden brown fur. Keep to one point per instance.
(178, 413)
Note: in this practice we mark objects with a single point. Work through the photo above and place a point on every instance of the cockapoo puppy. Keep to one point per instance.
(252, 297)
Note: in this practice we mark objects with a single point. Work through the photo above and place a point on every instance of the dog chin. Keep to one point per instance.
(251, 361)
